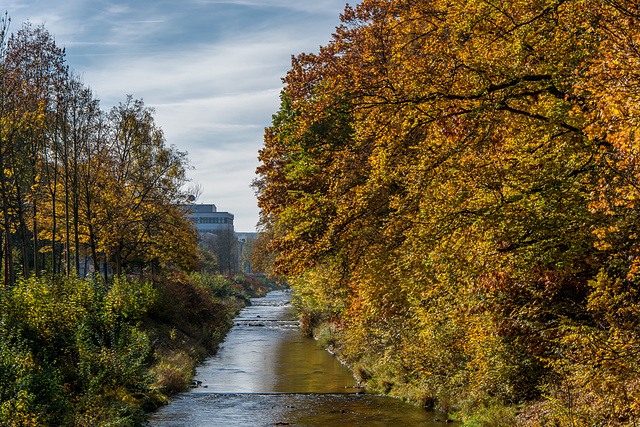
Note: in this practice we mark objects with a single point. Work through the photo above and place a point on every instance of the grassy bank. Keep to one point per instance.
(373, 371)
(192, 318)
(83, 353)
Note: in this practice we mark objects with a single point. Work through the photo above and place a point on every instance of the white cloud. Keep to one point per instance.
(211, 69)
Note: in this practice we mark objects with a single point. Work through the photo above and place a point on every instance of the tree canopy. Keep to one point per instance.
(456, 185)
(81, 186)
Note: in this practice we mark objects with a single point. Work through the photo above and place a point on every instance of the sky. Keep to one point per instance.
(211, 69)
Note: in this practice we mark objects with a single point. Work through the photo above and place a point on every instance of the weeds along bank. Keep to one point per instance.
(468, 358)
(83, 353)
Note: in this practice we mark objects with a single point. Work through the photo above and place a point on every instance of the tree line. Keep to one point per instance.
(453, 186)
(81, 186)
(85, 187)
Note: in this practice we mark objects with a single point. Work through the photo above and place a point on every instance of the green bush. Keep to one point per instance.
(66, 344)
(84, 353)
(215, 284)
(492, 416)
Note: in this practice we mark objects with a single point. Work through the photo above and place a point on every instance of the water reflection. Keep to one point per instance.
(302, 368)
(267, 373)
(266, 353)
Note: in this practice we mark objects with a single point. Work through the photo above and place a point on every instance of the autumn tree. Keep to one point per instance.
(147, 178)
(225, 248)
(35, 72)
(78, 182)
(450, 180)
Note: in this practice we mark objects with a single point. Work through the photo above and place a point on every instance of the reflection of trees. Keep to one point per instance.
(299, 363)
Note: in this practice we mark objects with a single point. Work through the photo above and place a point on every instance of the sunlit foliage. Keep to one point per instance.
(68, 346)
(81, 187)
(454, 185)
(91, 211)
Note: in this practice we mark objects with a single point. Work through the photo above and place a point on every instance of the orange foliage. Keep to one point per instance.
(465, 170)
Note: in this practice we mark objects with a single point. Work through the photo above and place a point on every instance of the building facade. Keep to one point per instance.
(207, 219)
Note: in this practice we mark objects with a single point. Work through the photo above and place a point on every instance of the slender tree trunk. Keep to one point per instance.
(76, 233)
(76, 211)
(54, 168)
(106, 268)
(25, 250)
(66, 216)
(23, 231)
(8, 255)
(76, 219)
(8, 282)
(118, 260)
(36, 254)
(94, 253)
(35, 185)
(2, 251)
(54, 266)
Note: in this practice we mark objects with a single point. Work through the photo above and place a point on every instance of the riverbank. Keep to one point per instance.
(267, 373)
(373, 374)
(193, 320)
(84, 353)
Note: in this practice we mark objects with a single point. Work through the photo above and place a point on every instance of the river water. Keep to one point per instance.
(267, 373)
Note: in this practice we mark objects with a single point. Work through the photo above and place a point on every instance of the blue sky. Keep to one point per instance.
(211, 69)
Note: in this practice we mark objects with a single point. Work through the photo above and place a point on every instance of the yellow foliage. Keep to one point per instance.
(448, 178)
(18, 412)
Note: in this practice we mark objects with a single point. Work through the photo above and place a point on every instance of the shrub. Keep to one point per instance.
(173, 372)
(492, 416)
(84, 353)
(66, 344)
(215, 284)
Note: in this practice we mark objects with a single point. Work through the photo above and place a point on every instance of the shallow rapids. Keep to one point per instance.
(267, 373)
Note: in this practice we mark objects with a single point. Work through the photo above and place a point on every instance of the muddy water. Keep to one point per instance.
(267, 373)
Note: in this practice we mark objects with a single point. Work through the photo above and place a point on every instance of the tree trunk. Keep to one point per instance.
(36, 257)
(94, 254)
(8, 255)
(23, 231)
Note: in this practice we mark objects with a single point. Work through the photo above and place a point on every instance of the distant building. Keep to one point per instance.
(232, 251)
(207, 219)
(243, 237)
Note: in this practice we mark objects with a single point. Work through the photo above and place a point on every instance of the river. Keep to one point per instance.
(267, 373)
